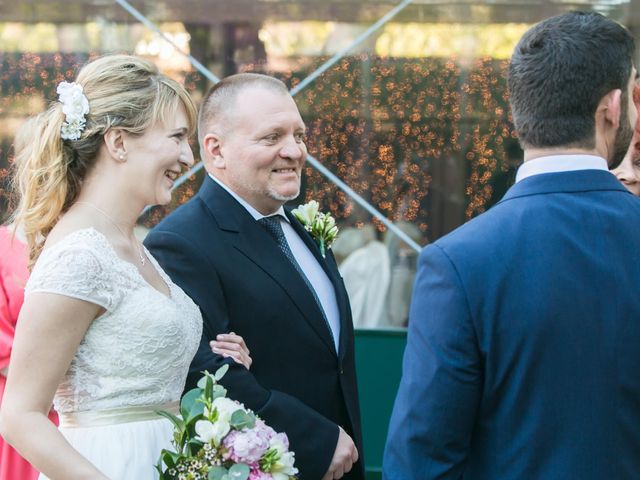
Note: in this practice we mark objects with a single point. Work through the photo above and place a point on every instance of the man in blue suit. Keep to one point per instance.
(523, 354)
(253, 269)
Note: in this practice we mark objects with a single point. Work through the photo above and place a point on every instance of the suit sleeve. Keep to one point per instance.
(435, 409)
(312, 437)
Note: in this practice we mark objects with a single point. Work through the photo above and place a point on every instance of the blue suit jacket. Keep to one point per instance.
(523, 354)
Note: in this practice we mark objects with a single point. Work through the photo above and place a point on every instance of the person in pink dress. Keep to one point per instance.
(13, 277)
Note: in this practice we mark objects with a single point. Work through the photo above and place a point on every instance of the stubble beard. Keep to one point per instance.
(273, 194)
(269, 192)
(623, 137)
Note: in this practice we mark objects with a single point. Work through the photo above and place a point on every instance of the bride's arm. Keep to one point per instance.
(48, 333)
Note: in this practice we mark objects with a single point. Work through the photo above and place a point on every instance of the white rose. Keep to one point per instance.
(226, 407)
(65, 90)
(205, 430)
(208, 431)
(72, 97)
(220, 430)
(76, 107)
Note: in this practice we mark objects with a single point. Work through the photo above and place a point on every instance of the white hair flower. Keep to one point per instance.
(75, 106)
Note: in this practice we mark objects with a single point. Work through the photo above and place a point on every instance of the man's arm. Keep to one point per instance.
(313, 437)
(436, 407)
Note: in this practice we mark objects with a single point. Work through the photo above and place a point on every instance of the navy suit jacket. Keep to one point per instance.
(523, 354)
(235, 272)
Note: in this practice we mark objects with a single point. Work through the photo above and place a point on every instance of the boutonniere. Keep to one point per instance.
(321, 226)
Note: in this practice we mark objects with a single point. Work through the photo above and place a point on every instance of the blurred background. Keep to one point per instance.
(412, 115)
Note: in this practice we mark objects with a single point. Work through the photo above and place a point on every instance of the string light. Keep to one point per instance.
(393, 129)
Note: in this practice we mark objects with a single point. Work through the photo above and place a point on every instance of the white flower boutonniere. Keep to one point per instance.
(321, 226)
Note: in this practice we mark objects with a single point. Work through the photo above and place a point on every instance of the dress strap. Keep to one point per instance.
(112, 416)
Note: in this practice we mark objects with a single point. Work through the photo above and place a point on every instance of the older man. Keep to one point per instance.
(253, 269)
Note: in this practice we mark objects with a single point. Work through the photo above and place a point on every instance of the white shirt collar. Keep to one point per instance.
(254, 213)
(560, 163)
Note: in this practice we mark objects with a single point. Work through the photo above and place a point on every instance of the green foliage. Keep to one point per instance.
(241, 419)
(192, 409)
(239, 471)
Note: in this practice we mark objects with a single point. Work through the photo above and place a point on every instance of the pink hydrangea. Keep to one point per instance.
(246, 446)
(259, 475)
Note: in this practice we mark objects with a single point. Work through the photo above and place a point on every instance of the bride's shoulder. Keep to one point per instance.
(75, 230)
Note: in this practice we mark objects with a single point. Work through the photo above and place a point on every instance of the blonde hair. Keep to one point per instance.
(124, 92)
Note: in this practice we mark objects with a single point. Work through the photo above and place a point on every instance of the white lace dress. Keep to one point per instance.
(132, 360)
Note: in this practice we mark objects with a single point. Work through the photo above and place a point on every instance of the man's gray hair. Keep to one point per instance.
(219, 100)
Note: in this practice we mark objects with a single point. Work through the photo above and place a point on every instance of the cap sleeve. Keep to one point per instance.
(78, 266)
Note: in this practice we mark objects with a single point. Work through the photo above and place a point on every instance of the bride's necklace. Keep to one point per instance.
(143, 260)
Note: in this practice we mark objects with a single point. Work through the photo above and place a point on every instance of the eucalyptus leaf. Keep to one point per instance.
(189, 406)
(221, 372)
(218, 391)
(239, 471)
(241, 419)
(217, 473)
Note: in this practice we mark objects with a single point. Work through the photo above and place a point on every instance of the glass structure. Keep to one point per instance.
(412, 114)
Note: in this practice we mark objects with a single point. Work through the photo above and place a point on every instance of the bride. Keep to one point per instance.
(103, 332)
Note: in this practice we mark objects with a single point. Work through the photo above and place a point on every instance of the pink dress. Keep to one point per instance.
(13, 277)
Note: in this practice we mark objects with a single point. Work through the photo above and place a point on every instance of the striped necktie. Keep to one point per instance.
(273, 226)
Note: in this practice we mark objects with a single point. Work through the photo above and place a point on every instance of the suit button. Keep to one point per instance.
(341, 371)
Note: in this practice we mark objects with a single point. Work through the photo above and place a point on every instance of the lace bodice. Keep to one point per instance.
(138, 352)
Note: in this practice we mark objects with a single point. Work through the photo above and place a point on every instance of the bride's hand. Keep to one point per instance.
(232, 345)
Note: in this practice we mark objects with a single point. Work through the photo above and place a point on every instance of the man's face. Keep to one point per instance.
(262, 150)
(628, 172)
(628, 119)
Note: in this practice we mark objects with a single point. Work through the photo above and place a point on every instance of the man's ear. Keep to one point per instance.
(610, 107)
(114, 141)
(212, 148)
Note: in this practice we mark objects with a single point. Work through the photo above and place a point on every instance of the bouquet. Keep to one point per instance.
(219, 439)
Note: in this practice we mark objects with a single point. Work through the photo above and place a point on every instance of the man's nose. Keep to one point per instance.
(625, 174)
(292, 149)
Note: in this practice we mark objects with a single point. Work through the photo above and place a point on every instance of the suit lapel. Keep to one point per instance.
(253, 241)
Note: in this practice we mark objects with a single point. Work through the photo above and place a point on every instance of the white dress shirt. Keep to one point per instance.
(560, 163)
(308, 263)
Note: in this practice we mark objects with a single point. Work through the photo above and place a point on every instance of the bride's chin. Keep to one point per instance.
(163, 197)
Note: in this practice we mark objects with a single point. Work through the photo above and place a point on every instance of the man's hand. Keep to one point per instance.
(344, 457)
